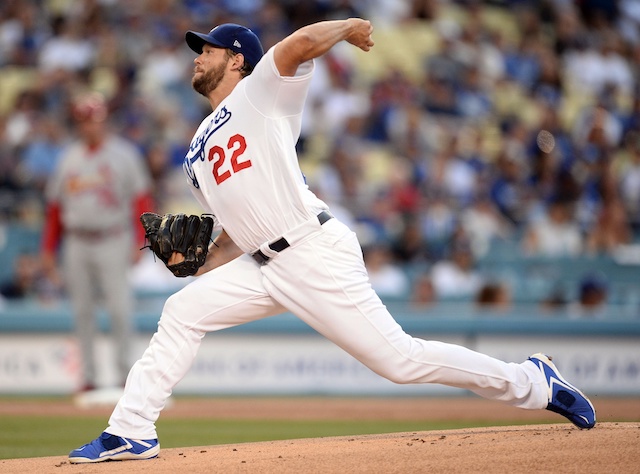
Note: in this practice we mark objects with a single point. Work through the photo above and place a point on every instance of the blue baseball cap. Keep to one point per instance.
(237, 38)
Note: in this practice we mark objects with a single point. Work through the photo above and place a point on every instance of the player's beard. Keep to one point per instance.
(209, 80)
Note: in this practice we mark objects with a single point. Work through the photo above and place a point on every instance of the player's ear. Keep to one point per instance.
(237, 62)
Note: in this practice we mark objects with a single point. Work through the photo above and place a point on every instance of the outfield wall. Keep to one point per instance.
(281, 355)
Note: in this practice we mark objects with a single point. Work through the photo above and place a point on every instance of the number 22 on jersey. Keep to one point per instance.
(236, 147)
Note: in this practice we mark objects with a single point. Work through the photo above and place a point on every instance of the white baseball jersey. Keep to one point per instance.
(248, 142)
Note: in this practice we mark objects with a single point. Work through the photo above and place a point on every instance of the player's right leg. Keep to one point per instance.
(224, 297)
(79, 279)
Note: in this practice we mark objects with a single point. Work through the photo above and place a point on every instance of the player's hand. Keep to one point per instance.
(360, 34)
(176, 257)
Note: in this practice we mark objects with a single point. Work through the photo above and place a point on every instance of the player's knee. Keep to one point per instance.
(399, 378)
(397, 371)
(184, 310)
(173, 308)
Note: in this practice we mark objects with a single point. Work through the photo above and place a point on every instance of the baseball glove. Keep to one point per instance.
(188, 235)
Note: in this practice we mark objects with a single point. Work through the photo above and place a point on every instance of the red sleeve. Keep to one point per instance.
(52, 231)
(141, 203)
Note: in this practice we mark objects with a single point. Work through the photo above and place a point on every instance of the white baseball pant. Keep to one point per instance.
(322, 279)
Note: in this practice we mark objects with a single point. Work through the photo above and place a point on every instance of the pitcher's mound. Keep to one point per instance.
(609, 447)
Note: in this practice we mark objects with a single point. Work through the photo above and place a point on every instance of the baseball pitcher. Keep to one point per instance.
(280, 249)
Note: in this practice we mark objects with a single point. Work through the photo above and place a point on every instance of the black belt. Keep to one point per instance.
(281, 244)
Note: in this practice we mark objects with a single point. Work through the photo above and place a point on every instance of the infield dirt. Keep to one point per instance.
(612, 446)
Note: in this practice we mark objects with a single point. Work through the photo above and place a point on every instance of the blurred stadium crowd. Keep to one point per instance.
(470, 122)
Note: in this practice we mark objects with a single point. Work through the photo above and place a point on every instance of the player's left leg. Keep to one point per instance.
(339, 303)
(118, 296)
(80, 280)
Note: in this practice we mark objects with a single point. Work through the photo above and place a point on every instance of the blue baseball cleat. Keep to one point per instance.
(109, 447)
(564, 398)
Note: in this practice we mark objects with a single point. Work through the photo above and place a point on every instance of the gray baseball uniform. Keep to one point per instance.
(95, 190)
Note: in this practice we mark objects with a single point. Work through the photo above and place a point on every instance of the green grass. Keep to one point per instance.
(36, 436)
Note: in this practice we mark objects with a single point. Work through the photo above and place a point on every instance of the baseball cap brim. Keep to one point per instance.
(196, 41)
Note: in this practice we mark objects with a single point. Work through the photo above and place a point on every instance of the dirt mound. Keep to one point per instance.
(610, 447)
